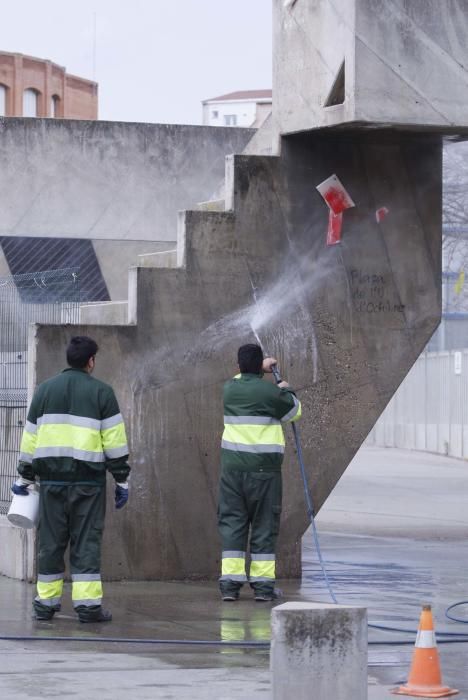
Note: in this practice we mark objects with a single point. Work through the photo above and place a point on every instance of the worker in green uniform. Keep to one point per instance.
(74, 433)
(250, 486)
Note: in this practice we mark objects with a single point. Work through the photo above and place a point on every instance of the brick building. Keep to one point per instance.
(34, 87)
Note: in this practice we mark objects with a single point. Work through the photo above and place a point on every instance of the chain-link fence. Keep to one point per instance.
(52, 296)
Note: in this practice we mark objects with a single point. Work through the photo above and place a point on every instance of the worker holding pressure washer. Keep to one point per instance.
(74, 433)
(250, 486)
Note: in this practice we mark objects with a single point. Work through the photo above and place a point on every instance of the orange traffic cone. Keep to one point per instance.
(425, 680)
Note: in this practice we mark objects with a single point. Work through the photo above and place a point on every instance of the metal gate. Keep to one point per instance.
(41, 297)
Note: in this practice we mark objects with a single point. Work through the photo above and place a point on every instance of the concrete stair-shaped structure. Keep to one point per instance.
(346, 323)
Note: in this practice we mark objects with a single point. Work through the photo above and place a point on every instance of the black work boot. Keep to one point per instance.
(93, 613)
(229, 593)
(44, 612)
(267, 595)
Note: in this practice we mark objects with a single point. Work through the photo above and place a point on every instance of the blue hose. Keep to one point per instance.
(452, 617)
(457, 637)
(124, 640)
(310, 512)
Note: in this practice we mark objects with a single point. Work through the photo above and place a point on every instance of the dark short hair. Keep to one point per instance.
(79, 350)
(250, 358)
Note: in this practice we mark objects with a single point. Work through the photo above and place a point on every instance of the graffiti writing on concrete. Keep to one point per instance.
(369, 294)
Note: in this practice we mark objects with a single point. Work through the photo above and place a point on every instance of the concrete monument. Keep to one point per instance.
(346, 298)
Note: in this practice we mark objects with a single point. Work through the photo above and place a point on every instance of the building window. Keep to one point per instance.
(230, 119)
(214, 114)
(3, 96)
(30, 102)
(55, 106)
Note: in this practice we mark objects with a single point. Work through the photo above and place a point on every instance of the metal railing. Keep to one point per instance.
(52, 296)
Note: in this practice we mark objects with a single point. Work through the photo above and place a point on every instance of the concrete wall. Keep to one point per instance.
(311, 40)
(110, 313)
(346, 323)
(404, 63)
(120, 185)
(17, 552)
(411, 62)
(116, 256)
(107, 180)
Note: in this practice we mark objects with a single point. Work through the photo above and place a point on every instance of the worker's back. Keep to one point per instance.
(73, 392)
(73, 426)
(254, 409)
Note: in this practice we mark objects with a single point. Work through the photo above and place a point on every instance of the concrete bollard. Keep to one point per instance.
(319, 652)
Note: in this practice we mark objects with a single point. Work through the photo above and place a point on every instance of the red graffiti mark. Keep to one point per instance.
(335, 224)
(336, 199)
(380, 214)
(335, 195)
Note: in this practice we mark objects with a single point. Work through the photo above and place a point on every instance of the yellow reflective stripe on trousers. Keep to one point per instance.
(28, 443)
(86, 592)
(231, 566)
(254, 434)
(114, 438)
(262, 569)
(49, 589)
(65, 435)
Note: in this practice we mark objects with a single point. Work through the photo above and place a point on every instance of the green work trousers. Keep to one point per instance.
(249, 500)
(70, 514)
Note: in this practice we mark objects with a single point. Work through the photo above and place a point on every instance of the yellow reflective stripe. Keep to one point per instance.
(254, 434)
(231, 566)
(298, 414)
(263, 569)
(64, 435)
(49, 589)
(28, 442)
(87, 590)
(114, 437)
(294, 413)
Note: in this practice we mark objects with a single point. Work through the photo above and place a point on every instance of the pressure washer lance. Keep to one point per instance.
(307, 494)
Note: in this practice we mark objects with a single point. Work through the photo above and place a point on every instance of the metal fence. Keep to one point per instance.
(430, 409)
(42, 297)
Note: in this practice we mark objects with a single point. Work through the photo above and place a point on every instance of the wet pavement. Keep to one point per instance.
(391, 575)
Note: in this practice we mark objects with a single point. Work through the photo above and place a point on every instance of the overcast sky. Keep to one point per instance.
(155, 59)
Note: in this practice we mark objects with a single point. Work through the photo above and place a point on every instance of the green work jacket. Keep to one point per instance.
(74, 431)
(254, 411)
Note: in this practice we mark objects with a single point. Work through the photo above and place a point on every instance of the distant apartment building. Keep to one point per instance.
(34, 87)
(244, 108)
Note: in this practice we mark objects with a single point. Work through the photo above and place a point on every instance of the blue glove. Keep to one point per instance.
(121, 495)
(20, 487)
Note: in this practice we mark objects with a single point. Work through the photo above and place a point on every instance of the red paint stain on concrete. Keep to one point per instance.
(335, 225)
(380, 214)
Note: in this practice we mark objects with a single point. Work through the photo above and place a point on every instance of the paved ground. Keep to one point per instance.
(394, 534)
